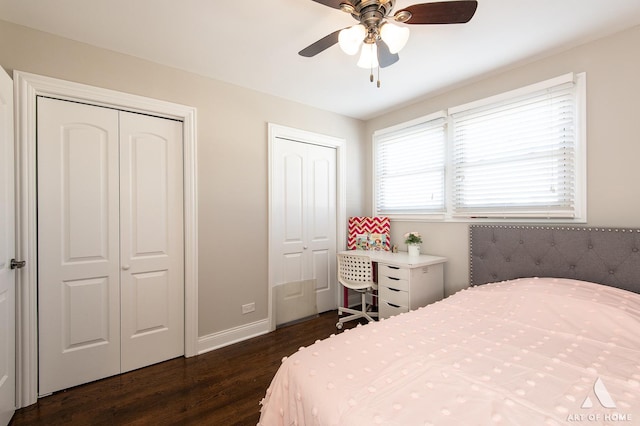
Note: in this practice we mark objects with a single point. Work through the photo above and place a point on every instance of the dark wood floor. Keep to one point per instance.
(222, 387)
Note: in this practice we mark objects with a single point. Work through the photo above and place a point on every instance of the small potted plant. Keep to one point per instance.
(413, 241)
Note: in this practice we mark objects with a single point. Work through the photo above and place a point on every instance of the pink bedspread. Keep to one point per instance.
(521, 352)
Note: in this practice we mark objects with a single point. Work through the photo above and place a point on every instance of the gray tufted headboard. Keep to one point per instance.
(601, 255)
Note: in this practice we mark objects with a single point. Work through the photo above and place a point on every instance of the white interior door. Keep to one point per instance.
(321, 223)
(78, 247)
(7, 252)
(110, 242)
(304, 223)
(151, 229)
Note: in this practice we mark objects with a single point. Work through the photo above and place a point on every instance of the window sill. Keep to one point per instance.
(445, 219)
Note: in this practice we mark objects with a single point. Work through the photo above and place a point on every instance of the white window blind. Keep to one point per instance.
(517, 158)
(409, 169)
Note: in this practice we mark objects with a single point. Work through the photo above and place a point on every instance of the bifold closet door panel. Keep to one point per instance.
(304, 204)
(151, 229)
(78, 244)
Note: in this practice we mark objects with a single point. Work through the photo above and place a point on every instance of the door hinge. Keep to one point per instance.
(17, 264)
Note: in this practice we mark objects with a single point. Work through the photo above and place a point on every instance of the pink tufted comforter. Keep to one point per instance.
(521, 352)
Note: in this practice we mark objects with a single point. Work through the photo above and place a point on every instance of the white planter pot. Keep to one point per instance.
(414, 249)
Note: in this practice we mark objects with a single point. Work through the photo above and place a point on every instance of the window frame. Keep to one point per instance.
(378, 134)
(580, 157)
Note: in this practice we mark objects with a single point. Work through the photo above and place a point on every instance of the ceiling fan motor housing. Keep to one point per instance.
(370, 13)
(363, 6)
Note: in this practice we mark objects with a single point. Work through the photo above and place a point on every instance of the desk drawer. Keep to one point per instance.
(396, 297)
(387, 309)
(393, 282)
(393, 271)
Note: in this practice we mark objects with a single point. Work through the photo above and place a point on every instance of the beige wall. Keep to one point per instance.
(613, 131)
(232, 151)
(232, 158)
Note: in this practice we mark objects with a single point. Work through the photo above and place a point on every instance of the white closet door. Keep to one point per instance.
(110, 242)
(321, 229)
(151, 229)
(78, 247)
(304, 224)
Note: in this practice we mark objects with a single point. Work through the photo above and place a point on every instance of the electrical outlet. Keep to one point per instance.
(249, 307)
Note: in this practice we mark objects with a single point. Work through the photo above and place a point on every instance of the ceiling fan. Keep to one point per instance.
(379, 40)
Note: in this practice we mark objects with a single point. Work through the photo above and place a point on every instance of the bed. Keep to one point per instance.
(548, 334)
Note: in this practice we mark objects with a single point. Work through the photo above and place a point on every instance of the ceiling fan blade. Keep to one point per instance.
(445, 12)
(332, 3)
(320, 45)
(386, 58)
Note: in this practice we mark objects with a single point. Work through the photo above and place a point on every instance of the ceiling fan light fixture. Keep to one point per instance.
(368, 56)
(351, 38)
(380, 40)
(395, 36)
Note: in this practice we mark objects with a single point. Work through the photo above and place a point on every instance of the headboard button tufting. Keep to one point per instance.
(611, 272)
(572, 266)
(635, 249)
(590, 246)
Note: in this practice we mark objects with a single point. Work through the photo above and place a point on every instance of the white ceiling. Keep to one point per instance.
(254, 43)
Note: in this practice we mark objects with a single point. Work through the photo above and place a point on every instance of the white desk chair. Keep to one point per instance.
(356, 273)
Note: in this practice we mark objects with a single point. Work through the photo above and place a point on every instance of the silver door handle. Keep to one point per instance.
(17, 264)
(125, 267)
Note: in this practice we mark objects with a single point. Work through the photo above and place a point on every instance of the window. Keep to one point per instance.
(410, 167)
(518, 155)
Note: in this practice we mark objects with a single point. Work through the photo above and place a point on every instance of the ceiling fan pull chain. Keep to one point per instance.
(378, 83)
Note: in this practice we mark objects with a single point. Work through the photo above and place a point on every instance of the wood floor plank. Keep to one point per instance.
(222, 387)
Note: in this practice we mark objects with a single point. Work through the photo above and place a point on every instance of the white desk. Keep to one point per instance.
(405, 282)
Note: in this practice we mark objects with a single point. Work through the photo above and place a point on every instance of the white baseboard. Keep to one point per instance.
(232, 335)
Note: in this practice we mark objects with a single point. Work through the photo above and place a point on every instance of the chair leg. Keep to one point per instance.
(355, 314)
